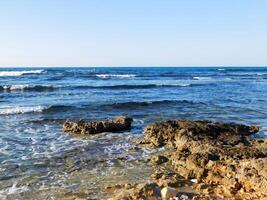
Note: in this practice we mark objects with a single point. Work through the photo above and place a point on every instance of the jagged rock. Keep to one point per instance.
(115, 125)
(160, 134)
(221, 156)
(144, 191)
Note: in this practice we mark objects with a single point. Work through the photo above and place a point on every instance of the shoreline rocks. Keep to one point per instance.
(95, 127)
(221, 159)
(219, 155)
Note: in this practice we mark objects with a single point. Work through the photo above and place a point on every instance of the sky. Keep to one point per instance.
(133, 33)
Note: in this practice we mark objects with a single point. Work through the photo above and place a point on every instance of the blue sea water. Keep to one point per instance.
(34, 102)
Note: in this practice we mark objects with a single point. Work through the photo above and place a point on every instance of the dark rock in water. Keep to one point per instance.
(82, 127)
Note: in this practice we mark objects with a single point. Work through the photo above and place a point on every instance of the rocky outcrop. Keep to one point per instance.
(166, 133)
(219, 156)
(94, 127)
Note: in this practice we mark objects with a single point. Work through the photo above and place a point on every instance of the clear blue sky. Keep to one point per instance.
(133, 32)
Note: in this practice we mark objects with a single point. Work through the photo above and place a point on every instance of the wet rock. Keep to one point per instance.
(82, 127)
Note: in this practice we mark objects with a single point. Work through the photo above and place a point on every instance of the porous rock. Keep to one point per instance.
(221, 156)
(94, 127)
(142, 191)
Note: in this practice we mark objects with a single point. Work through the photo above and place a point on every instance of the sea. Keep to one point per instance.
(40, 161)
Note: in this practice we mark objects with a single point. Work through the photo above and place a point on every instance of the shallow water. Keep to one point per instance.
(38, 158)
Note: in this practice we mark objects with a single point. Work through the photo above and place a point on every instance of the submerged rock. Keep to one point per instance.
(94, 127)
(220, 156)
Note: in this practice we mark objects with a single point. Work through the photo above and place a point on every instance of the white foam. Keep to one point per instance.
(202, 78)
(116, 148)
(116, 75)
(260, 74)
(20, 73)
(23, 87)
(20, 109)
(16, 87)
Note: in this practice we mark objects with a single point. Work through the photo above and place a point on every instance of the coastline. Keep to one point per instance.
(202, 160)
(193, 160)
(40, 161)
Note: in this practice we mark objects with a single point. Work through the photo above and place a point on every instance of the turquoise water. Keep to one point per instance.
(35, 102)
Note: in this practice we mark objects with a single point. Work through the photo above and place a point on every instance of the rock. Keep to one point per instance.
(157, 160)
(220, 157)
(149, 191)
(184, 197)
(166, 178)
(115, 125)
(168, 193)
(160, 134)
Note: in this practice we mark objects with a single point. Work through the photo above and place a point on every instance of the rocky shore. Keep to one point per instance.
(197, 160)
(217, 160)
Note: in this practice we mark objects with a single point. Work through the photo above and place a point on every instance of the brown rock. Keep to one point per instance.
(115, 125)
(160, 134)
(145, 191)
(221, 156)
(157, 160)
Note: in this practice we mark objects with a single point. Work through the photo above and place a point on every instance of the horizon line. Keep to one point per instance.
(131, 66)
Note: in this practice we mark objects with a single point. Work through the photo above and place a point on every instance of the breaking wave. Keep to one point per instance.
(20, 73)
(20, 109)
(202, 78)
(33, 109)
(36, 88)
(105, 76)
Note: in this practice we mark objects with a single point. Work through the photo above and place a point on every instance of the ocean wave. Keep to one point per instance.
(20, 73)
(58, 108)
(145, 86)
(136, 104)
(202, 78)
(48, 88)
(250, 78)
(20, 109)
(30, 109)
(37, 88)
(105, 76)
